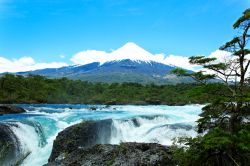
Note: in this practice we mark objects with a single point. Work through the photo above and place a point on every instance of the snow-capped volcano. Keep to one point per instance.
(134, 52)
(129, 51)
(129, 63)
(126, 70)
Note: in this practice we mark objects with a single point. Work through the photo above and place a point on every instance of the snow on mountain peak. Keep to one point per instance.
(133, 52)
(128, 51)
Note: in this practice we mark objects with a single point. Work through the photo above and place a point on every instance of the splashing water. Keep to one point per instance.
(38, 127)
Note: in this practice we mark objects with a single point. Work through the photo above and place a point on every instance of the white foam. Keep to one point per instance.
(130, 124)
(147, 130)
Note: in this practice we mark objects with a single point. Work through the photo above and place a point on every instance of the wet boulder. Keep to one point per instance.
(10, 148)
(87, 144)
(93, 108)
(125, 154)
(10, 109)
(82, 135)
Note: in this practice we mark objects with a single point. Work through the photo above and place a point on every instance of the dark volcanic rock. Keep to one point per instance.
(12, 151)
(10, 109)
(87, 144)
(93, 108)
(84, 135)
(125, 154)
(9, 146)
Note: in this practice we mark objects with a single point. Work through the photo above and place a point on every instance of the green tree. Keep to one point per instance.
(224, 124)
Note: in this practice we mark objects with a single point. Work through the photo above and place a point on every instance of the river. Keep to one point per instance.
(38, 127)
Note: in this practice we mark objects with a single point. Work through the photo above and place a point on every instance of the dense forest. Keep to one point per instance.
(39, 89)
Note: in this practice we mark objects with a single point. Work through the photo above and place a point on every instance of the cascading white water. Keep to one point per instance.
(29, 140)
(37, 129)
(153, 130)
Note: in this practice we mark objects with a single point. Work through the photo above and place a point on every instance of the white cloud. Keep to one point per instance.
(25, 64)
(128, 51)
(133, 52)
(180, 61)
(221, 55)
(227, 57)
(224, 57)
(183, 61)
(90, 56)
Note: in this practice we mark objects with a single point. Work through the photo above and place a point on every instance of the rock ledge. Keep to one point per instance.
(10, 109)
(87, 144)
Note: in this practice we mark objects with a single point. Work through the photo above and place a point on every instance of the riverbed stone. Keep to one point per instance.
(87, 144)
(10, 109)
(125, 154)
(84, 135)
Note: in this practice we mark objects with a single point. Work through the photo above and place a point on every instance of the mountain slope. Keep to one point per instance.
(129, 63)
(126, 70)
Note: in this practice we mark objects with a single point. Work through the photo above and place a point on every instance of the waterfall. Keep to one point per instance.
(32, 134)
(149, 129)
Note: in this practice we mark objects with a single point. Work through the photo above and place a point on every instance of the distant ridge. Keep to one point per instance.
(128, 51)
(137, 71)
(130, 63)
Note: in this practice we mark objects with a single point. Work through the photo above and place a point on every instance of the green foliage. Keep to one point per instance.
(244, 18)
(199, 76)
(231, 43)
(180, 72)
(224, 126)
(213, 149)
(218, 66)
(38, 89)
(200, 60)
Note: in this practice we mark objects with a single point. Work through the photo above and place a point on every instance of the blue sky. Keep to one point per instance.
(47, 29)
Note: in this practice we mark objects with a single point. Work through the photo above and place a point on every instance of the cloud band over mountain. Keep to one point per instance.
(128, 51)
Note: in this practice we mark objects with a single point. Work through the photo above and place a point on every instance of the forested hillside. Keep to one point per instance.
(126, 70)
(38, 89)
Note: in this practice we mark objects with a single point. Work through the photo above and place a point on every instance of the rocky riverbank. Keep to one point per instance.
(87, 144)
(10, 147)
(10, 109)
(125, 154)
